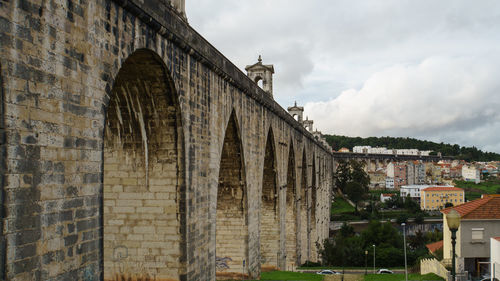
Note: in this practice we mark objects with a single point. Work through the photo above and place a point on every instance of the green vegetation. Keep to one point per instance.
(352, 180)
(399, 277)
(348, 249)
(490, 187)
(340, 206)
(288, 275)
(459, 152)
(474, 191)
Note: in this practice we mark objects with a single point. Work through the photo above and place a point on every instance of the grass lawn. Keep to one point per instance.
(340, 206)
(297, 276)
(400, 277)
(287, 275)
(474, 191)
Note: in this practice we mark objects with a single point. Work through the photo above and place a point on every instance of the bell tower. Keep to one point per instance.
(180, 7)
(264, 72)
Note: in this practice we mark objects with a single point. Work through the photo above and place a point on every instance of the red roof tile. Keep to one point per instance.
(434, 246)
(487, 207)
(443, 188)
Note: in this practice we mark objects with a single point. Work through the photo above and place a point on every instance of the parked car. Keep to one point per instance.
(327, 271)
(384, 271)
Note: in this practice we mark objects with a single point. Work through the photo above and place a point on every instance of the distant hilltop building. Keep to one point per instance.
(383, 150)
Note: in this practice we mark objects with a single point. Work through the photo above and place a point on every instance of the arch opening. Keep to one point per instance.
(270, 222)
(232, 223)
(291, 213)
(143, 182)
(313, 231)
(259, 81)
(3, 251)
(304, 233)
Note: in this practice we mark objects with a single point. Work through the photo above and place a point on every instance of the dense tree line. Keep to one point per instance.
(459, 152)
(348, 248)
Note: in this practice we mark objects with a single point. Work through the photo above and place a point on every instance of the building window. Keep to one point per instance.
(477, 234)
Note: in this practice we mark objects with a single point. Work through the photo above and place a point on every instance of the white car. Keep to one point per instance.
(384, 271)
(327, 272)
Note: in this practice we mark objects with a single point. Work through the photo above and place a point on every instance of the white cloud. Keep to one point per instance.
(442, 98)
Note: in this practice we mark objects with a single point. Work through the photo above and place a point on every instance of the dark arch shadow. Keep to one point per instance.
(291, 216)
(304, 221)
(3, 248)
(143, 158)
(270, 220)
(231, 233)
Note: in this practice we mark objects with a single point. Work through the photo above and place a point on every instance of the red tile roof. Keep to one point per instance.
(496, 238)
(443, 188)
(487, 207)
(434, 246)
(388, 194)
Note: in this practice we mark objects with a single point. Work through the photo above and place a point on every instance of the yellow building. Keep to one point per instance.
(434, 198)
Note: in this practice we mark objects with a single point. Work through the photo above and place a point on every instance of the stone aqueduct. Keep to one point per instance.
(132, 147)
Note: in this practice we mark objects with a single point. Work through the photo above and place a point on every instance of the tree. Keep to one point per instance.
(355, 193)
(342, 175)
(351, 171)
(419, 218)
(359, 175)
(448, 204)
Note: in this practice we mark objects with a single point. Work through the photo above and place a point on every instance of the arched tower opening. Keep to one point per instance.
(232, 223)
(270, 222)
(143, 169)
(304, 233)
(291, 212)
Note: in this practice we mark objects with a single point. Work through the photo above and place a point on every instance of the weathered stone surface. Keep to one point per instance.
(88, 192)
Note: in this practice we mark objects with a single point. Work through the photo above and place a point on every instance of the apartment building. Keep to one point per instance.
(435, 197)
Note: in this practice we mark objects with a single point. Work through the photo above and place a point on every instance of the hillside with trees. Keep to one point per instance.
(455, 150)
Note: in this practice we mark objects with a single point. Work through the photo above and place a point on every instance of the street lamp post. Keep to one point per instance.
(404, 242)
(366, 261)
(453, 220)
(374, 259)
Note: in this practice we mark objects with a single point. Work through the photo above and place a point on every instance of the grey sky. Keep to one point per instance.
(424, 69)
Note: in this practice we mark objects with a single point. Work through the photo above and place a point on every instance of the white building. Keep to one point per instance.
(384, 197)
(495, 257)
(412, 190)
(383, 150)
(471, 173)
(361, 149)
(389, 183)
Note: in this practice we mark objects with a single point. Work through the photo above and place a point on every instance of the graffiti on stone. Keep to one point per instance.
(221, 263)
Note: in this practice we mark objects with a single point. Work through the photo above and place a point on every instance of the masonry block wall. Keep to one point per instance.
(270, 210)
(291, 213)
(71, 162)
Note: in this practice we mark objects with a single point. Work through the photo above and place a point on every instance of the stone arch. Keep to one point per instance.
(143, 174)
(3, 252)
(312, 226)
(304, 233)
(231, 234)
(291, 217)
(270, 220)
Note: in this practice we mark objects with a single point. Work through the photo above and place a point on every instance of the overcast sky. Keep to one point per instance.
(423, 69)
